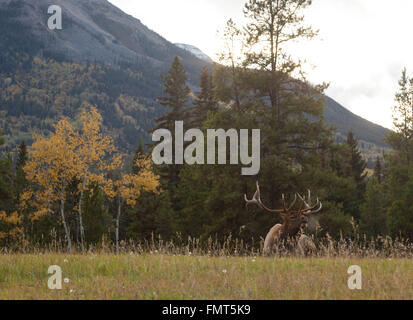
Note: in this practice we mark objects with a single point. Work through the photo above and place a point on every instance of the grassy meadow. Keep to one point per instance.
(168, 276)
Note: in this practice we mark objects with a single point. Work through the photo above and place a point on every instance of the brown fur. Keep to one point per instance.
(294, 222)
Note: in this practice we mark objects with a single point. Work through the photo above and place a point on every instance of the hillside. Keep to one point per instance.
(95, 31)
(344, 120)
(102, 57)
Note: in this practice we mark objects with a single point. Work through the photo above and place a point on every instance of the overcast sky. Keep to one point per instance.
(361, 50)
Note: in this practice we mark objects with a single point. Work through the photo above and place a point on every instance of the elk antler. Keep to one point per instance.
(257, 201)
(309, 209)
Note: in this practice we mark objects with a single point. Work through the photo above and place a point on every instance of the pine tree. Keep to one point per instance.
(139, 153)
(400, 219)
(176, 94)
(378, 171)
(373, 214)
(399, 173)
(358, 164)
(205, 101)
(97, 219)
(6, 195)
(358, 173)
(20, 180)
(272, 25)
(401, 139)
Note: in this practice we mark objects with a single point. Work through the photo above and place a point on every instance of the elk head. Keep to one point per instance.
(293, 219)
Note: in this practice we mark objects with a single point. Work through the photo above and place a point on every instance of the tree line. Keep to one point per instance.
(75, 183)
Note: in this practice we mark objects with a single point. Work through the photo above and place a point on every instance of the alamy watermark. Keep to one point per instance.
(55, 21)
(194, 153)
(54, 282)
(355, 280)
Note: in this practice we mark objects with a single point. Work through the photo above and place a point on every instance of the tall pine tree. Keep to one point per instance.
(358, 172)
(399, 167)
(175, 99)
(205, 101)
(378, 171)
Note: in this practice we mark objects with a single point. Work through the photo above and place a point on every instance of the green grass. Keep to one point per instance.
(149, 276)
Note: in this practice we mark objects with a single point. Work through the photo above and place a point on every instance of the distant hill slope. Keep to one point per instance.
(344, 120)
(104, 57)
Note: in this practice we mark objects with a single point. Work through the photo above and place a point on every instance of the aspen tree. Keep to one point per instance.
(91, 148)
(50, 168)
(127, 188)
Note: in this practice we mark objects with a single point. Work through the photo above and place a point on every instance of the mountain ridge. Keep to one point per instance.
(134, 57)
(346, 121)
(195, 51)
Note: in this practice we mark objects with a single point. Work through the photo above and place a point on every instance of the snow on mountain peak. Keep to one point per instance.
(195, 51)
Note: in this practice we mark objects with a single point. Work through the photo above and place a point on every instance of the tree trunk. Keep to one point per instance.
(117, 225)
(82, 231)
(62, 213)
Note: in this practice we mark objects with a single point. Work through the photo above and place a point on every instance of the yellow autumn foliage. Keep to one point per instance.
(130, 186)
(50, 168)
(13, 224)
(80, 153)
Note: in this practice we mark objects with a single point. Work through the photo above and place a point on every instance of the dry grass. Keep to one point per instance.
(159, 276)
(216, 270)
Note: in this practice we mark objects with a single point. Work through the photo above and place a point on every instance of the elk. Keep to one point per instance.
(293, 220)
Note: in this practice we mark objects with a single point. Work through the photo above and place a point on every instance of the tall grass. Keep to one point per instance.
(327, 247)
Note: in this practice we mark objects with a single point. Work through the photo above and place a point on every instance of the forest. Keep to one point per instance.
(74, 181)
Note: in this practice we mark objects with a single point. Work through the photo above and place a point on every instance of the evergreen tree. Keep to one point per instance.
(358, 164)
(205, 101)
(358, 173)
(6, 180)
(400, 218)
(97, 218)
(152, 213)
(151, 216)
(373, 221)
(176, 94)
(139, 153)
(378, 171)
(20, 178)
(281, 101)
(401, 139)
(399, 173)
(272, 25)
(295, 150)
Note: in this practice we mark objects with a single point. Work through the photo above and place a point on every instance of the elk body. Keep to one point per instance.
(293, 222)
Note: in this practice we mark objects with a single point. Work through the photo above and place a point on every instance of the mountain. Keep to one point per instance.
(95, 31)
(344, 120)
(102, 57)
(195, 51)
